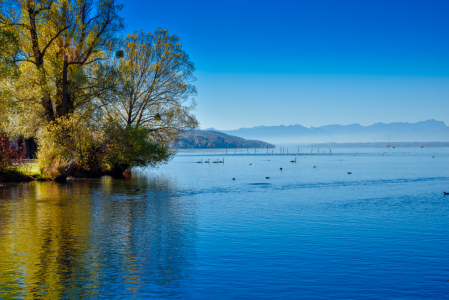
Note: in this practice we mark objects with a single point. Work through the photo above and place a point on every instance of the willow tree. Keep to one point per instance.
(155, 86)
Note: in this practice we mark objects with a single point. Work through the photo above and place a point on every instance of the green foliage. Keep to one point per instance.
(131, 146)
(70, 143)
(9, 47)
(154, 88)
(51, 163)
(64, 72)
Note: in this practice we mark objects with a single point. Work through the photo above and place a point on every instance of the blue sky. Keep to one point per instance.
(312, 62)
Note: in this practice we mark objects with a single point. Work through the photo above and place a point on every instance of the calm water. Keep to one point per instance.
(191, 232)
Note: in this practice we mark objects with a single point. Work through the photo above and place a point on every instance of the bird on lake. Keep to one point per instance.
(233, 178)
(349, 173)
(293, 160)
(314, 166)
(137, 190)
(267, 177)
(250, 164)
(444, 193)
(280, 169)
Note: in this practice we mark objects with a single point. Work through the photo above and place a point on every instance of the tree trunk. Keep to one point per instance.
(65, 87)
(39, 60)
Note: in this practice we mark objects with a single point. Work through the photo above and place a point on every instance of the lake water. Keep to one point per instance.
(188, 231)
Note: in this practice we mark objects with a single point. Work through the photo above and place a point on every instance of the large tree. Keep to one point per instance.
(58, 39)
(155, 86)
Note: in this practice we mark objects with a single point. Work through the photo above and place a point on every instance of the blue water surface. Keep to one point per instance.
(189, 231)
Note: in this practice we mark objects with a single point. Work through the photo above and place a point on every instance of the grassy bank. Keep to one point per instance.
(26, 172)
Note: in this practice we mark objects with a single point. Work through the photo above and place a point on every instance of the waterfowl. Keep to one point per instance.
(349, 173)
(267, 177)
(444, 193)
(280, 168)
(314, 166)
(233, 178)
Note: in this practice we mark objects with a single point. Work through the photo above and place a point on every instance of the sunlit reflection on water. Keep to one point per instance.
(94, 239)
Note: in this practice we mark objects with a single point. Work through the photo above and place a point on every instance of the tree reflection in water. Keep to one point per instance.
(95, 239)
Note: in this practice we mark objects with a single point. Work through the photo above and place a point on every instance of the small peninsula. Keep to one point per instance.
(215, 139)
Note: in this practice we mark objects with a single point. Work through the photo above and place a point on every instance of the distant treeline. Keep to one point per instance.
(214, 139)
(379, 145)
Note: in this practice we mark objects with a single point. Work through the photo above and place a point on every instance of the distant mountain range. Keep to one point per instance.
(425, 131)
(215, 139)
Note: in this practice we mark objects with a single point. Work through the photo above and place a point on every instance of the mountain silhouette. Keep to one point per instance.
(424, 131)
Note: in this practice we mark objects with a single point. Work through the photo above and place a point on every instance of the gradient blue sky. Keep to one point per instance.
(312, 62)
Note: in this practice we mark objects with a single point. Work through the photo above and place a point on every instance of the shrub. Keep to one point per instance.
(57, 147)
(131, 146)
(51, 162)
(11, 154)
(71, 146)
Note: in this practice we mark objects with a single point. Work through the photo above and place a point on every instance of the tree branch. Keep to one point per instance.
(52, 39)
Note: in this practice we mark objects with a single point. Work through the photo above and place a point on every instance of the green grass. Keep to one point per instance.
(23, 171)
(29, 169)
